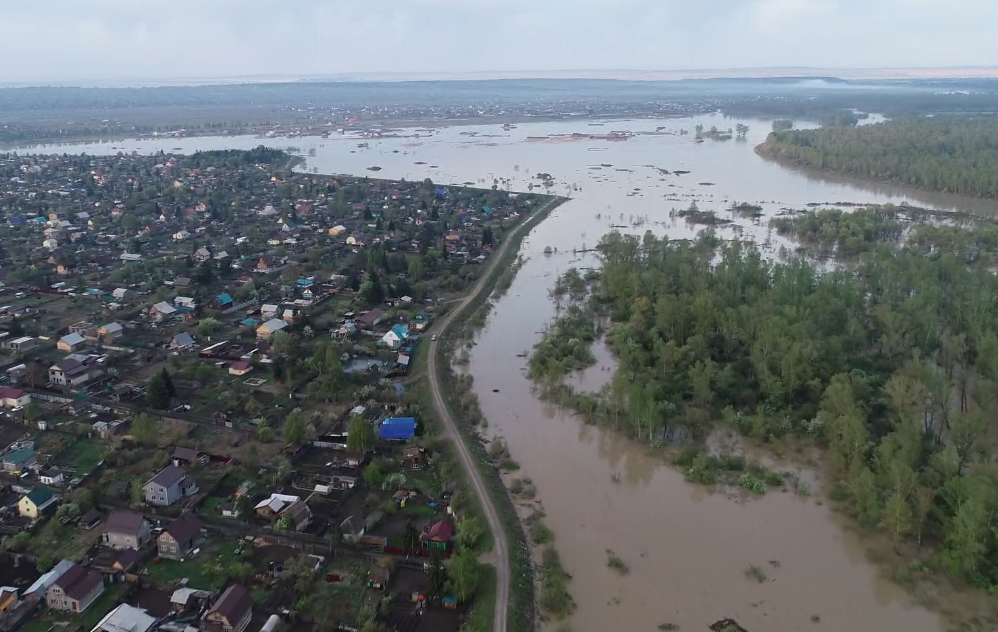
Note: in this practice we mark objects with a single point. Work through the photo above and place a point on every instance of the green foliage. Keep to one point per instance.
(541, 533)
(566, 347)
(555, 598)
(373, 475)
(157, 392)
(943, 153)
(295, 429)
(616, 563)
(465, 574)
(360, 435)
(469, 532)
(265, 434)
(144, 430)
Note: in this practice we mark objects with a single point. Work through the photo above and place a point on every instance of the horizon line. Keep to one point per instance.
(749, 72)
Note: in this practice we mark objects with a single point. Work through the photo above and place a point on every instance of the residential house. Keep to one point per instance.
(354, 527)
(222, 301)
(188, 599)
(413, 458)
(202, 254)
(271, 508)
(17, 461)
(337, 230)
(240, 368)
(298, 515)
(182, 341)
(371, 318)
(233, 610)
(75, 589)
(181, 282)
(288, 316)
(84, 328)
(185, 301)
(70, 343)
(22, 344)
(187, 457)
(265, 264)
(378, 576)
(126, 618)
(162, 310)
(122, 294)
(71, 371)
(51, 243)
(269, 328)
(180, 537)
(11, 397)
(126, 530)
(396, 336)
(268, 311)
(129, 257)
(437, 536)
(421, 321)
(168, 486)
(37, 504)
(181, 235)
(109, 333)
(37, 591)
(9, 599)
(52, 477)
(398, 429)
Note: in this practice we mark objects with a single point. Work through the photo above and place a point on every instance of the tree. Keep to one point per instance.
(437, 575)
(83, 497)
(416, 269)
(360, 435)
(295, 429)
(487, 238)
(205, 373)
(168, 382)
(469, 532)
(465, 574)
(284, 523)
(897, 520)
(266, 434)
(370, 288)
(410, 537)
(208, 326)
(291, 273)
(157, 393)
(373, 475)
(144, 430)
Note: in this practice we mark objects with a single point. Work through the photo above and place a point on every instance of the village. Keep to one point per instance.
(207, 416)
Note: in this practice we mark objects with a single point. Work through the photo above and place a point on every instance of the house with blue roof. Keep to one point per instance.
(398, 429)
(249, 322)
(396, 336)
(222, 301)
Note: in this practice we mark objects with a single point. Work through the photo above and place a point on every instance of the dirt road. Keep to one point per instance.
(501, 549)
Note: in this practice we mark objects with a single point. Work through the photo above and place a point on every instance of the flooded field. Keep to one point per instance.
(687, 549)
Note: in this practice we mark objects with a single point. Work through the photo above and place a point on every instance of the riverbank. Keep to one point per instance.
(517, 568)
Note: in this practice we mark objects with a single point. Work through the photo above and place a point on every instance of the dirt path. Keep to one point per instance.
(501, 549)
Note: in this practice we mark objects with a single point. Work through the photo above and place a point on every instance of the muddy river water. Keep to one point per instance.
(687, 548)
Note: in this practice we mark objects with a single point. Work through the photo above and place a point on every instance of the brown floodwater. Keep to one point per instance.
(687, 547)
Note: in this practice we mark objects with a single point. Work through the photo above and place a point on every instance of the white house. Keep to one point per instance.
(268, 311)
(181, 235)
(161, 310)
(50, 243)
(185, 301)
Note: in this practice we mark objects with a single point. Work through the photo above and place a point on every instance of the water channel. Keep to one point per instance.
(687, 548)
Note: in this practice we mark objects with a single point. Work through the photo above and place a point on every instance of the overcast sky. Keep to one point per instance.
(79, 40)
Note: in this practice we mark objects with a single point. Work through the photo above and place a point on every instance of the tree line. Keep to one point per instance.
(893, 366)
(955, 154)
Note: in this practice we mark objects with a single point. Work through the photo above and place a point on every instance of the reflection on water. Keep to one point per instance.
(687, 547)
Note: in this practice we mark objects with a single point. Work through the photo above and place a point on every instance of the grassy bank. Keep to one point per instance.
(521, 615)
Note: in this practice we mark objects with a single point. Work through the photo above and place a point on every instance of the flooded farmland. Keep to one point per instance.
(687, 548)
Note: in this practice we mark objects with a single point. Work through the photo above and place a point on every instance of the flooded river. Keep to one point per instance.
(687, 548)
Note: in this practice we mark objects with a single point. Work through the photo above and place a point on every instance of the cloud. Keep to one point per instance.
(69, 40)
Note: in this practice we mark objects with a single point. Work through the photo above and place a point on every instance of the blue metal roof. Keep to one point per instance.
(398, 428)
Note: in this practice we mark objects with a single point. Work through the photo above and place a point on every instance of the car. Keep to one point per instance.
(433, 338)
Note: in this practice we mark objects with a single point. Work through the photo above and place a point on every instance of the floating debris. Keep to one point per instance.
(374, 168)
